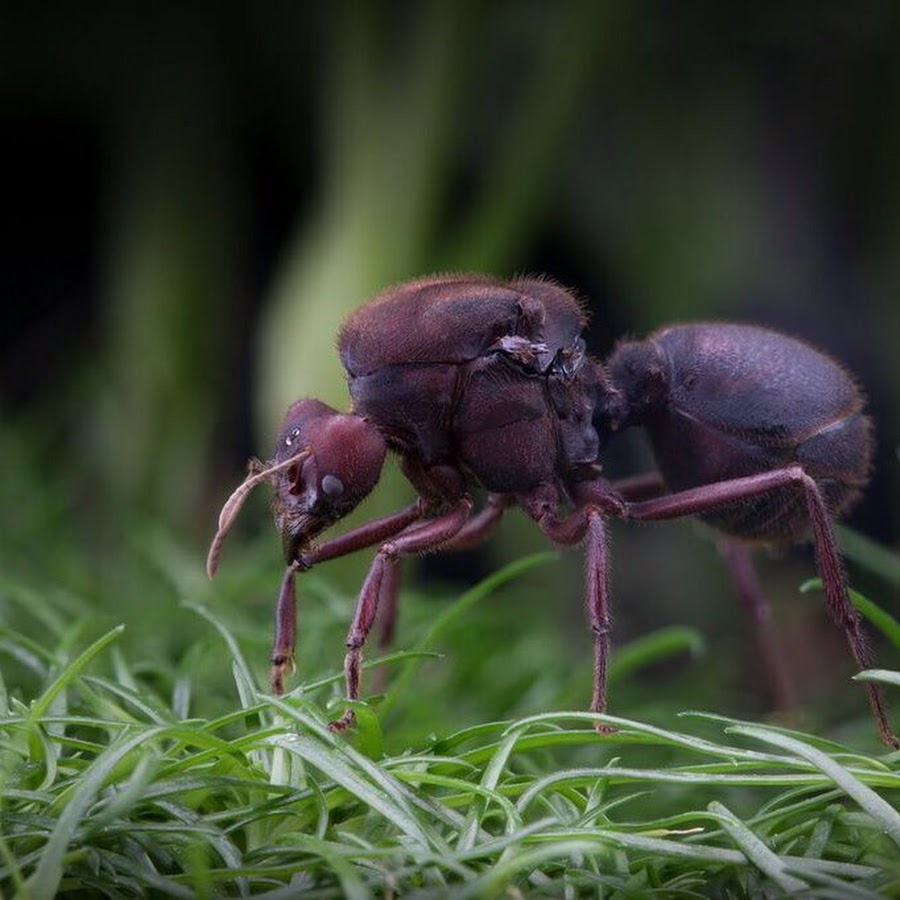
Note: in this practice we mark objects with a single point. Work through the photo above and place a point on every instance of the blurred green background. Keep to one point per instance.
(194, 199)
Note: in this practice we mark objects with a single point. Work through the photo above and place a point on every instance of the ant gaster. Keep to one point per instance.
(476, 382)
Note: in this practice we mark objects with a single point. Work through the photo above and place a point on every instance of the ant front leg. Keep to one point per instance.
(427, 536)
(696, 501)
(286, 610)
(285, 631)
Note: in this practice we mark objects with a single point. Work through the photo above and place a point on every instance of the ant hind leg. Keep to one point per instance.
(739, 565)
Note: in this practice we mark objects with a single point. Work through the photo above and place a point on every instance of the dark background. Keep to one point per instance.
(194, 199)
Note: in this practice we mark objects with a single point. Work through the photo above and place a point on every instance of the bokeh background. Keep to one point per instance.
(195, 198)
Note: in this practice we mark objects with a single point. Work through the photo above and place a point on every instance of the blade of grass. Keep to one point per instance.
(40, 706)
(352, 886)
(519, 861)
(354, 772)
(15, 873)
(662, 847)
(27, 652)
(489, 780)
(310, 687)
(663, 735)
(833, 888)
(880, 675)
(756, 851)
(880, 618)
(228, 637)
(662, 644)
(870, 555)
(879, 809)
(46, 878)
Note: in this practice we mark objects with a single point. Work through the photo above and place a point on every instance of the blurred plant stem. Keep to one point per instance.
(393, 144)
(384, 154)
(170, 239)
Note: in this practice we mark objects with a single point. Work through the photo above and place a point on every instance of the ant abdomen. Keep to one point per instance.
(724, 401)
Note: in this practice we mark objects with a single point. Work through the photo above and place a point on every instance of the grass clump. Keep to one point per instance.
(114, 788)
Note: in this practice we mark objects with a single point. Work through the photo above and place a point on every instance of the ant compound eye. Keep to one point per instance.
(332, 486)
(295, 433)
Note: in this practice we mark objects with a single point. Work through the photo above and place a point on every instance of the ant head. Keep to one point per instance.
(327, 463)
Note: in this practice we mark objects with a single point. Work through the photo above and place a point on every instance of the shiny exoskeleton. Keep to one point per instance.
(479, 383)
(722, 401)
(486, 379)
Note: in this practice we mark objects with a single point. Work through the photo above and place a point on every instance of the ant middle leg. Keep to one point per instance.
(474, 533)
(586, 522)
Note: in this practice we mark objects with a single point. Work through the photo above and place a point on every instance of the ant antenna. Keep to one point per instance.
(259, 472)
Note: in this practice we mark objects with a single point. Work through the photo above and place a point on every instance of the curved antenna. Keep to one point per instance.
(259, 472)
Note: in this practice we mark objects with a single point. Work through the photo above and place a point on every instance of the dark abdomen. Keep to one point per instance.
(744, 400)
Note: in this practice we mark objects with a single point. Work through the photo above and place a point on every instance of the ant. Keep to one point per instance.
(477, 382)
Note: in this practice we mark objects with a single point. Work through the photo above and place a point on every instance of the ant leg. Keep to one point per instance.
(475, 532)
(736, 556)
(285, 631)
(707, 497)
(586, 522)
(842, 610)
(480, 527)
(286, 610)
(365, 536)
(640, 487)
(739, 565)
(387, 616)
(596, 578)
(428, 536)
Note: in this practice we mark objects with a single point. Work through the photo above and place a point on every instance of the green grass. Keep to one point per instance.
(116, 784)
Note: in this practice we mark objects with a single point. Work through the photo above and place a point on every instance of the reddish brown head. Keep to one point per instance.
(344, 464)
(325, 463)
